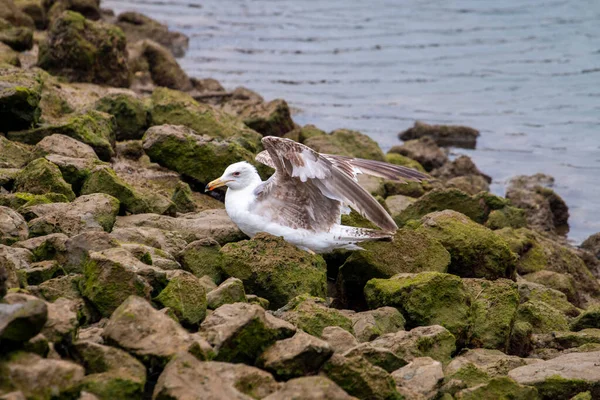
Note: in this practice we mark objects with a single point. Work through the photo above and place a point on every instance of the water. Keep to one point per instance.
(526, 74)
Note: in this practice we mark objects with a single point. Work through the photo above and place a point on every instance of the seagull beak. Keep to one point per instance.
(215, 184)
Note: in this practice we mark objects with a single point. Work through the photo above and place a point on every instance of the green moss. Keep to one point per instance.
(19, 201)
(590, 318)
(427, 298)
(345, 142)
(203, 258)
(470, 375)
(41, 177)
(13, 154)
(19, 98)
(110, 385)
(130, 114)
(508, 216)
(186, 297)
(269, 119)
(312, 315)
(520, 338)
(559, 388)
(542, 317)
(502, 388)
(398, 159)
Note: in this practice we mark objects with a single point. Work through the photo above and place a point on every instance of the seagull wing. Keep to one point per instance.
(308, 189)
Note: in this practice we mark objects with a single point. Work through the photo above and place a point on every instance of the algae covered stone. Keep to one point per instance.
(228, 292)
(345, 142)
(269, 119)
(428, 298)
(20, 94)
(274, 269)
(499, 388)
(203, 257)
(41, 177)
(186, 297)
(542, 317)
(399, 159)
(312, 315)
(13, 154)
(130, 114)
(85, 51)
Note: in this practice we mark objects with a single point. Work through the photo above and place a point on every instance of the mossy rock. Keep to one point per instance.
(469, 375)
(20, 93)
(274, 269)
(427, 298)
(41, 177)
(493, 311)
(186, 297)
(203, 258)
(507, 217)
(130, 114)
(534, 291)
(399, 159)
(200, 157)
(312, 315)
(85, 51)
(590, 318)
(499, 388)
(562, 282)
(229, 292)
(542, 317)
(13, 154)
(301, 134)
(475, 251)
(9, 56)
(409, 252)
(345, 142)
(269, 119)
(94, 128)
(20, 201)
(19, 38)
(178, 108)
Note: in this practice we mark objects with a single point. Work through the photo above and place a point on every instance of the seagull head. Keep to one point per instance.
(237, 176)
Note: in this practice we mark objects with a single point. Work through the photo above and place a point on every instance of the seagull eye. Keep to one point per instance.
(236, 174)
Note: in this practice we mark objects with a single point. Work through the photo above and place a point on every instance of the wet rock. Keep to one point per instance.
(230, 291)
(589, 318)
(95, 212)
(422, 375)
(148, 334)
(592, 243)
(202, 257)
(345, 142)
(130, 114)
(186, 297)
(20, 93)
(240, 332)
(310, 387)
(12, 226)
(85, 51)
(493, 308)
(498, 388)
(274, 269)
(20, 322)
(41, 176)
(425, 151)
(12, 260)
(153, 58)
(110, 372)
(369, 325)
(542, 317)
(18, 38)
(64, 146)
(94, 128)
(39, 378)
(139, 26)
(13, 154)
(476, 251)
(360, 378)
(300, 355)
(339, 339)
(269, 119)
(312, 315)
(562, 377)
(409, 252)
(443, 135)
(426, 341)
(180, 149)
(378, 356)
(10, 12)
(184, 377)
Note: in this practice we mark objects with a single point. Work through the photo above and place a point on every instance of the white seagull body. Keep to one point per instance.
(304, 199)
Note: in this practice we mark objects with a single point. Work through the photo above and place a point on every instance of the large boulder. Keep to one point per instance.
(41, 177)
(312, 315)
(13, 227)
(130, 113)
(423, 150)
(443, 135)
(20, 94)
(85, 51)
(200, 157)
(344, 142)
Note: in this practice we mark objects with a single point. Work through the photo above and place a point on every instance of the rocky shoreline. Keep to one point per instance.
(121, 279)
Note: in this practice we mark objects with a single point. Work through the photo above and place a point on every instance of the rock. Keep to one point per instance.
(177, 108)
(471, 184)
(269, 119)
(85, 51)
(38, 272)
(12, 226)
(13, 154)
(584, 340)
(130, 114)
(139, 26)
(148, 334)
(64, 146)
(426, 341)
(378, 356)
(521, 339)
(35, 10)
(230, 291)
(10, 12)
(94, 128)
(476, 251)
(66, 286)
(498, 388)
(13, 259)
(77, 248)
(562, 282)
(111, 372)
(184, 377)
(257, 261)
(95, 212)
(423, 150)
(186, 297)
(590, 318)
(422, 375)
(409, 252)
(493, 310)
(20, 93)
(20, 322)
(39, 378)
(360, 378)
(592, 243)
(171, 242)
(300, 355)
(180, 149)
(461, 166)
(398, 203)
(9, 56)
(246, 379)
(62, 324)
(339, 339)
(40, 177)
(428, 298)
(443, 135)
(240, 332)
(345, 142)
(253, 299)
(534, 291)
(88, 8)
(202, 257)
(310, 387)
(506, 217)
(563, 376)
(542, 317)
(492, 363)
(398, 159)
(18, 38)
(312, 315)
(369, 325)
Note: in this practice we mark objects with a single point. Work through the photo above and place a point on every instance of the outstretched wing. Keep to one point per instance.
(309, 189)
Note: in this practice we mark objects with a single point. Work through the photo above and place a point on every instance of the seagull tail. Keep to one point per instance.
(355, 235)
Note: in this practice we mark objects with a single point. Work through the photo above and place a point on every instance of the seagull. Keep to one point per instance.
(304, 199)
